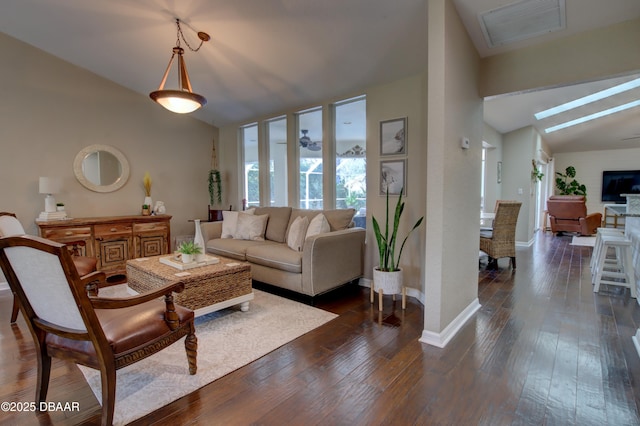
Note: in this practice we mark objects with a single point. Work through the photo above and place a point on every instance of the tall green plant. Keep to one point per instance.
(215, 187)
(386, 242)
(572, 187)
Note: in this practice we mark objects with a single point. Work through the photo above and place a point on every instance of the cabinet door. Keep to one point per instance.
(113, 247)
(113, 253)
(151, 239)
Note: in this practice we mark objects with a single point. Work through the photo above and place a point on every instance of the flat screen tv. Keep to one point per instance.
(616, 182)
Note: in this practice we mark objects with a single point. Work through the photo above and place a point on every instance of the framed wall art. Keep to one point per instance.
(393, 137)
(393, 175)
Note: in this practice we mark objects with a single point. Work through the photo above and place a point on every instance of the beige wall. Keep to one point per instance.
(493, 189)
(51, 109)
(589, 56)
(519, 148)
(453, 174)
(590, 165)
(403, 98)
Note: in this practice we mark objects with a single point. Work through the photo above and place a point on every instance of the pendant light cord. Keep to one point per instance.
(203, 37)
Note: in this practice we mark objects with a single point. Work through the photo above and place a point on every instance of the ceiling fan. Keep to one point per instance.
(306, 142)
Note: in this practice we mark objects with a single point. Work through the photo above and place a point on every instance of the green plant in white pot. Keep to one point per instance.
(189, 249)
(387, 276)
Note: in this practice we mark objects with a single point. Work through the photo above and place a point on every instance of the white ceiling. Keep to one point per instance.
(270, 56)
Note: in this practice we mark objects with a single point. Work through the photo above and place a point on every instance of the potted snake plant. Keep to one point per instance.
(388, 274)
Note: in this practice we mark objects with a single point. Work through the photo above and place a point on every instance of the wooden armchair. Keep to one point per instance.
(500, 241)
(10, 226)
(101, 333)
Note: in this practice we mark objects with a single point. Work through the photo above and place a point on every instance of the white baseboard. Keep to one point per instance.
(636, 341)
(441, 339)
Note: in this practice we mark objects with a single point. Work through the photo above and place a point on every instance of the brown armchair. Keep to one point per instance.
(101, 333)
(10, 226)
(500, 240)
(569, 213)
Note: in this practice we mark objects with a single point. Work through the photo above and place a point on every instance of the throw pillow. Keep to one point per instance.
(318, 225)
(251, 227)
(230, 223)
(297, 233)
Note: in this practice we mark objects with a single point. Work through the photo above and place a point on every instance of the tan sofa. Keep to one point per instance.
(326, 261)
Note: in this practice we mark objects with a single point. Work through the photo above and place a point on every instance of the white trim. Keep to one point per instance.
(525, 244)
(636, 341)
(441, 339)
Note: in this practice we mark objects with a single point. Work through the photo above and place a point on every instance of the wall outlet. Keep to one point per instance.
(464, 143)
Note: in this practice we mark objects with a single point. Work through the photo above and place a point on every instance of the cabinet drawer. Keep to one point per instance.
(67, 234)
(149, 227)
(108, 230)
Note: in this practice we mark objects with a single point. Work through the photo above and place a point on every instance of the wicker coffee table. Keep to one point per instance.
(207, 288)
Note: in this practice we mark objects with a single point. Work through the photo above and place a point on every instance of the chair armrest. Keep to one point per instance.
(124, 302)
(590, 224)
(95, 276)
(332, 259)
(211, 230)
(93, 282)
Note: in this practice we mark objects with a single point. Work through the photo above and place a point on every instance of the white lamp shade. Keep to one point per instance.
(50, 185)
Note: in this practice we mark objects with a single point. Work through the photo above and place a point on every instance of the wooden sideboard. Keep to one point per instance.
(112, 240)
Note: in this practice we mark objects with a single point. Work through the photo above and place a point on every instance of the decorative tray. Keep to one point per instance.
(178, 264)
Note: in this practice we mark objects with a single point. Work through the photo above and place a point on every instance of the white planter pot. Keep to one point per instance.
(187, 258)
(389, 282)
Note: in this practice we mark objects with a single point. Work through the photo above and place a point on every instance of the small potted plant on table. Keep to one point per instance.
(188, 250)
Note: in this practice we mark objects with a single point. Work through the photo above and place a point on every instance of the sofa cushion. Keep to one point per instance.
(297, 233)
(318, 225)
(251, 227)
(232, 248)
(275, 255)
(230, 222)
(277, 224)
(338, 219)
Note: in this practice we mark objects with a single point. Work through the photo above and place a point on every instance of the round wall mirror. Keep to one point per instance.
(101, 168)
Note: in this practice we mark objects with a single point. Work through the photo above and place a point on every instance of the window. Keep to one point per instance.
(277, 137)
(249, 136)
(310, 158)
(351, 162)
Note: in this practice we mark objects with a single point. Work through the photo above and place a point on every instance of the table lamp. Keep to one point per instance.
(50, 186)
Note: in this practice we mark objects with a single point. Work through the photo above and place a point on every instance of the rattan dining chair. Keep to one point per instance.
(500, 240)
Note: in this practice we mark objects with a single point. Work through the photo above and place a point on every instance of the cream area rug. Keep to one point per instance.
(583, 241)
(227, 340)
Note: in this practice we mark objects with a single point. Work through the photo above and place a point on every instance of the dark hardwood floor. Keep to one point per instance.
(543, 349)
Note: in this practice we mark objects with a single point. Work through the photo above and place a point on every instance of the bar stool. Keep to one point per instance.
(622, 247)
(597, 248)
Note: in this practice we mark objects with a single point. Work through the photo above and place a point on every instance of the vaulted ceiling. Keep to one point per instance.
(269, 56)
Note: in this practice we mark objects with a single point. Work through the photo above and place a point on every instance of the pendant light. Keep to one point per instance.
(181, 100)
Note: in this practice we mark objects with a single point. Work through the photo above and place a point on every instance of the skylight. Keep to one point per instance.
(592, 116)
(588, 99)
